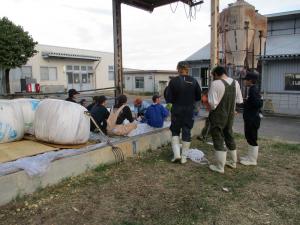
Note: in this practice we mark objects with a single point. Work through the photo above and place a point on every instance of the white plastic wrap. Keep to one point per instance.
(61, 122)
(29, 107)
(11, 121)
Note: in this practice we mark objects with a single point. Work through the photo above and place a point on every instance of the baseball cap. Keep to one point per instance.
(73, 92)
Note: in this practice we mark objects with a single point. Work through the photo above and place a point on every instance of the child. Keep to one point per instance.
(156, 113)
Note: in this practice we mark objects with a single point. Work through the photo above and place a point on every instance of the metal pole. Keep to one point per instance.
(117, 27)
(214, 33)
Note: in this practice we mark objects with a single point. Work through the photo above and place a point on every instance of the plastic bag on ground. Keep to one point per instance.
(28, 107)
(196, 156)
(11, 121)
(61, 122)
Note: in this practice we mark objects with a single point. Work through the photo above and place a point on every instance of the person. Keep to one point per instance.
(83, 102)
(125, 114)
(204, 101)
(156, 113)
(252, 106)
(223, 95)
(116, 122)
(140, 107)
(72, 95)
(90, 106)
(100, 114)
(183, 91)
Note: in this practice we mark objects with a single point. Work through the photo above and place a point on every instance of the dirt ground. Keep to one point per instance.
(150, 190)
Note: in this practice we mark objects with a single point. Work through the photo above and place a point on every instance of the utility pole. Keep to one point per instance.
(214, 50)
(118, 67)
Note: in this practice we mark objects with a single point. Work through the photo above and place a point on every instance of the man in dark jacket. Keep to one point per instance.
(183, 91)
(90, 106)
(100, 114)
(72, 95)
(251, 117)
(156, 113)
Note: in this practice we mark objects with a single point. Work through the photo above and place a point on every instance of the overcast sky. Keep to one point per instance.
(155, 40)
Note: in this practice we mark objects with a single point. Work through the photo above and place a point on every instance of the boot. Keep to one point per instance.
(251, 158)
(221, 159)
(185, 148)
(176, 149)
(232, 163)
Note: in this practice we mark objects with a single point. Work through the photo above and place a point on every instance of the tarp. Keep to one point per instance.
(19, 149)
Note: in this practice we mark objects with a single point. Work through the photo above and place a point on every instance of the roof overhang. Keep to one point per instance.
(150, 5)
(280, 57)
(69, 56)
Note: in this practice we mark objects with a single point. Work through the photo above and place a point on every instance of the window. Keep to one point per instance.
(26, 71)
(84, 78)
(76, 78)
(76, 67)
(111, 73)
(139, 82)
(70, 77)
(195, 73)
(69, 67)
(83, 68)
(204, 77)
(90, 68)
(292, 82)
(48, 73)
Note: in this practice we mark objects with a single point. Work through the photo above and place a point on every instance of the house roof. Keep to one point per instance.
(281, 15)
(282, 46)
(202, 54)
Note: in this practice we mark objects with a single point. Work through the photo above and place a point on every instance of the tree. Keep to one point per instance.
(16, 46)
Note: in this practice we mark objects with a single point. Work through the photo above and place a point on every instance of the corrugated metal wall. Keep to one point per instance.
(274, 74)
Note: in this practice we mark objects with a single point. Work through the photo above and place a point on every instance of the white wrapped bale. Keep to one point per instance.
(61, 122)
(11, 122)
(29, 107)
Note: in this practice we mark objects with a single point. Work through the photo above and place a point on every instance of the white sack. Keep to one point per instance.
(61, 122)
(11, 121)
(29, 107)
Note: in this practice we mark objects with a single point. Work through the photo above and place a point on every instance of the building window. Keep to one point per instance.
(79, 74)
(111, 73)
(196, 73)
(139, 82)
(204, 77)
(48, 73)
(292, 82)
(26, 71)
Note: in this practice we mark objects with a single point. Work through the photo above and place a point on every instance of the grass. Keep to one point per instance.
(150, 190)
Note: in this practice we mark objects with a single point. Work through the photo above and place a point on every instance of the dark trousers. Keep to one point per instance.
(182, 121)
(251, 127)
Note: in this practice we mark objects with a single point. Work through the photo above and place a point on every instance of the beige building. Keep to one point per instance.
(147, 81)
(57, 69)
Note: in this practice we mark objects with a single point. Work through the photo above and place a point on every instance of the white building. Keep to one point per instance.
(57, 69)
(147, 81)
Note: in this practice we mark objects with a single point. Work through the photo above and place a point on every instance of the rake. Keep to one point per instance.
(117, 151)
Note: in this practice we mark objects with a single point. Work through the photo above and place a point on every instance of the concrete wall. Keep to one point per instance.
(19, 183)
(101, 77)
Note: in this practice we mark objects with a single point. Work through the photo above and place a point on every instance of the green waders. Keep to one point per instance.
(221, 119)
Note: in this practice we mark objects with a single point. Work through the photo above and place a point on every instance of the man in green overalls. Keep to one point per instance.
(223, 95)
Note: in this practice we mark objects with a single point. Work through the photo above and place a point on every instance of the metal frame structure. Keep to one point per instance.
(148, 5)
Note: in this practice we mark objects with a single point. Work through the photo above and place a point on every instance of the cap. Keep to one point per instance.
(73, 92)
(137, 101)
(155, 97)
(251, 76)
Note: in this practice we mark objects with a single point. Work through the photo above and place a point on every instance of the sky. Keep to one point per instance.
(156, 40)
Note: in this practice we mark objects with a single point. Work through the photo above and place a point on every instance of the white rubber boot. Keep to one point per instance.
(251, 158)
(221, 159)
(185, 148)
(176, 149)
(232, 163)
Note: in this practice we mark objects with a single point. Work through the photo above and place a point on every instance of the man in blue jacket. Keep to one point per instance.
(156, 113)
